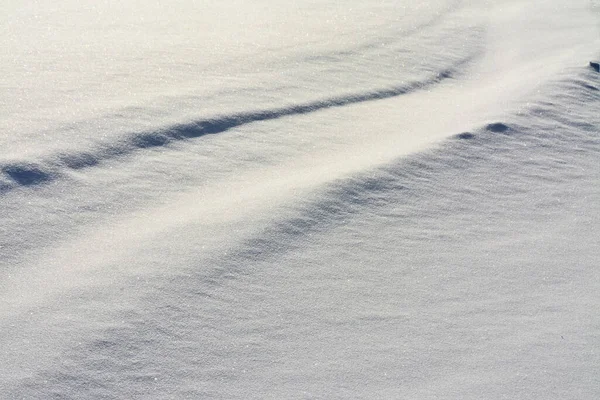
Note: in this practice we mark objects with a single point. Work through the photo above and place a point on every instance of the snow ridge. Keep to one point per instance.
(31, 173)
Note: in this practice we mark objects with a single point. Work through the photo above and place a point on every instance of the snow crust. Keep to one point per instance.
(252, 199)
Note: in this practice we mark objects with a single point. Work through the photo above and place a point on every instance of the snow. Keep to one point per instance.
(368, 199)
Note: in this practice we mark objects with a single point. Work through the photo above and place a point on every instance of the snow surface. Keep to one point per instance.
(255, 199)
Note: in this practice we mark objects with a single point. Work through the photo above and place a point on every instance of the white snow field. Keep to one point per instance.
(258, 199)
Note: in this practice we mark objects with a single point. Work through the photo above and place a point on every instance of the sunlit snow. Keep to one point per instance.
(252, 199)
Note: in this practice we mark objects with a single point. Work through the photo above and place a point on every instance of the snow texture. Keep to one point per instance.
(304, 200)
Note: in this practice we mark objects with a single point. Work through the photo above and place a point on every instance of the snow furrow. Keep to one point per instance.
(26, 173)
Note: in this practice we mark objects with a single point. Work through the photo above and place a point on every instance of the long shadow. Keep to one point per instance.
(25, 174)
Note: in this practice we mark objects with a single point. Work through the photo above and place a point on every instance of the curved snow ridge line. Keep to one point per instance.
(379, 43)
(405, 180)
(418, 176)
(579, 92)
(337, 202)
(27, 174)
(375, 43)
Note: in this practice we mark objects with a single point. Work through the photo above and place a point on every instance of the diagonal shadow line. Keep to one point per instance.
(26, 174)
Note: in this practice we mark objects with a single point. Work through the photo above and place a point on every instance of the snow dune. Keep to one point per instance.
(318, 200)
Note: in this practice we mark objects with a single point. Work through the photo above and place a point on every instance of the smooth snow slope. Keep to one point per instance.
(247, 199)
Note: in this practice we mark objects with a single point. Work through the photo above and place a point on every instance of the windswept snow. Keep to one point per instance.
(251, 199)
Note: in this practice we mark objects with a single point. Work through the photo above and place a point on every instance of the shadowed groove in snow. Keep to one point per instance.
(135, 351)
(465, 136)
(414, 178)
(25, 174)
(338, 202)
(497, 127)
(403, 182)
(29, 174)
